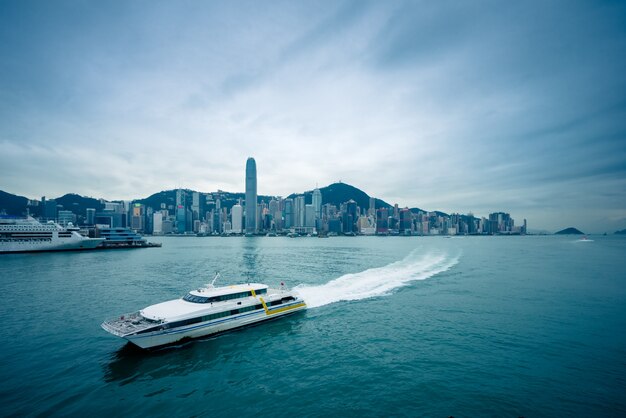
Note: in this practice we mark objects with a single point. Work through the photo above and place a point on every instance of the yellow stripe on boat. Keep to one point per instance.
(253, 292)
(287, 308)
(264, 306)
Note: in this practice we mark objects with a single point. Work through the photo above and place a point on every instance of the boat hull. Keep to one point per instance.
(171, 336)
(72, 244)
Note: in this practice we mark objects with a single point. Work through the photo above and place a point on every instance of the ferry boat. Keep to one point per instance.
(28, 234)
(203, 312)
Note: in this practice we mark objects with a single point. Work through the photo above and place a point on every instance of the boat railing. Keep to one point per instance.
(128, 324)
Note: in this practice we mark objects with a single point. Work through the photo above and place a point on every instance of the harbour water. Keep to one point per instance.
(418, 326)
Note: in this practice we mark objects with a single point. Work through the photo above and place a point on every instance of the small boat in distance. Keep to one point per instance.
(203, 312)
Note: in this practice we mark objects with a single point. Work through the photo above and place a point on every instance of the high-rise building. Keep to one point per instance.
(195, 205)
(317, 203)
(157, 223)
(137, 217)
(90, 219)
(236, 214)
(289, 219)
(50, 210)
(350, 216)
(299, 211)
(180, 219)
(309, 216)
(251, 196)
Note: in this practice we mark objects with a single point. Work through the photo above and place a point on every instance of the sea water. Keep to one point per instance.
(397, 326)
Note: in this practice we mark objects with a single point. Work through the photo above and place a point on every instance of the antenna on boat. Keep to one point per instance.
(217, 276)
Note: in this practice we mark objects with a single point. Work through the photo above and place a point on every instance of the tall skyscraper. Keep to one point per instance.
(299, 211)
(251, 197)
(317, 203)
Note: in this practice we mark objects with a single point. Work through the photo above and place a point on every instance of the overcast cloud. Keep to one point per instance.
(453, 106)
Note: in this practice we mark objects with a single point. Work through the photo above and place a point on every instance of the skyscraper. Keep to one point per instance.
(251, 197)
(317, 203)
(236, 214)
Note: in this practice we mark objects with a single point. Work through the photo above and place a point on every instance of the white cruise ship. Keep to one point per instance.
(202, 312)
(28, 234)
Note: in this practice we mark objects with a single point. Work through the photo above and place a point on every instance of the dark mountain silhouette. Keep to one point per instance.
(622, 232)
(338, 193)
(569, 231)
(79, 204)
(12, 204)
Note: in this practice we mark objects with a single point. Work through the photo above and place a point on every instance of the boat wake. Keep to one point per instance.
(378, 281)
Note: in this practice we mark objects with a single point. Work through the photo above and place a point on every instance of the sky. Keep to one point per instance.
(457, 106)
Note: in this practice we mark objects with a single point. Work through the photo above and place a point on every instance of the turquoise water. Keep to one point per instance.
(422, 326)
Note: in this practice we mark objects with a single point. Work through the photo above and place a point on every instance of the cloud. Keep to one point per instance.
(481, 106)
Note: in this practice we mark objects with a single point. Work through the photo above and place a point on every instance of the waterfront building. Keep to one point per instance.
(65, 217)
(310, 216)
(181, 222)
(90, 218)
(195, 206)
(382, 221)
(157, 223)
(50, 209)
(317, 203)
(167, 227)
(299, 213)
(289, 215)
(137, 219)
(251, 196)
(334, 225)
(350, 216)
(405, 221)
(236, 215)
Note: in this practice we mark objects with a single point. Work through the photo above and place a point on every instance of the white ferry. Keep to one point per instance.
(204, 312)
(28, 234)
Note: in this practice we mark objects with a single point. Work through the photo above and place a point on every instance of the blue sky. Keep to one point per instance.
(452, 106)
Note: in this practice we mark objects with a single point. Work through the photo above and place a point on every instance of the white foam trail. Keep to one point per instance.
(378, 281)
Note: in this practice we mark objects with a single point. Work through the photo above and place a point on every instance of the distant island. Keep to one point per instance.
(569, 231)
(622, 232)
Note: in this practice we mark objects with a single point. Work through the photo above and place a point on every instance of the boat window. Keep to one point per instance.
(215, 316)
(203, 299)
(195, 299)
(185, 322)
(261, 291)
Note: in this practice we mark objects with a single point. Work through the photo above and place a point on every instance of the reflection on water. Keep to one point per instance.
(251, 257)
(131, 363)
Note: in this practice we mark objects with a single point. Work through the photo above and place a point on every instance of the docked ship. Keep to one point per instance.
(28, 234)
(203, 312)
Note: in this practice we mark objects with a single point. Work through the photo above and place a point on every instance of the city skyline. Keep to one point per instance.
(459, 108)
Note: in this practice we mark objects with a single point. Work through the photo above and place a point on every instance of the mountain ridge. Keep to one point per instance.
(335, 193)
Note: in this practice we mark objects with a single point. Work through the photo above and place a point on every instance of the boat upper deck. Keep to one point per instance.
(213, 300)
